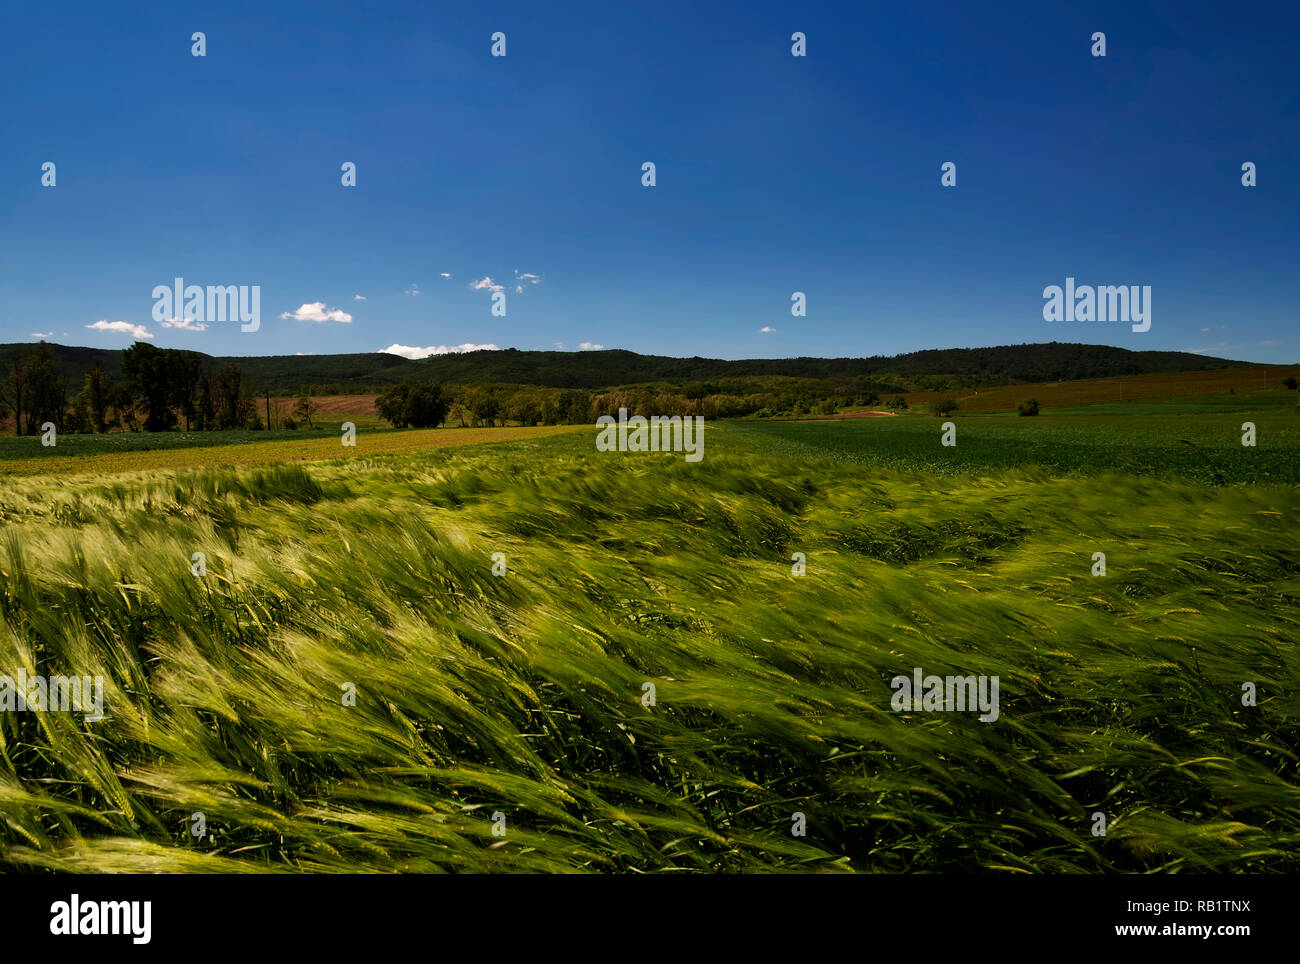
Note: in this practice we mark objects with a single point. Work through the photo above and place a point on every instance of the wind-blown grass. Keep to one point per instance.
(521, 694)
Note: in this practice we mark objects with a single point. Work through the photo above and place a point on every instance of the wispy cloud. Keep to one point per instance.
(316, 311)
(766, 330)
(185, 324)
(522, 280)
(121, 328)
(486, 284)
(358, 297)
(446, 274)
(591, 346)
(42, 334)
(527, 278)
(407, 351)
(412, 291)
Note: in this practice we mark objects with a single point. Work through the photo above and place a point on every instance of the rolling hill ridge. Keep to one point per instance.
(372, 371)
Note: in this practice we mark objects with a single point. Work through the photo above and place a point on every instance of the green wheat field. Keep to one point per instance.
(502, 723)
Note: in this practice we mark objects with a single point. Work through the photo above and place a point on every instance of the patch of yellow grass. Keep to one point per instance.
(286, 450)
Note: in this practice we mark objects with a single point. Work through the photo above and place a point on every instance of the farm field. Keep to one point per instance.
(1094, 391)
(1271, 402)
(333, 410)
(522, 697)
(1203, 448)
(136, 451)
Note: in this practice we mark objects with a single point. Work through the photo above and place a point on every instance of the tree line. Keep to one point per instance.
(163, 389)
(426, 404)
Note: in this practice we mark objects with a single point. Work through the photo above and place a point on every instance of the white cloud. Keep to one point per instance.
(446, 274)
(526, 278)
(591, 346)
(121, 328)
(185, 324)
(42, 334)
(412, 291)
(358, 297)
(521, 281)
(316, 311)
(766, 330)
(407, 351)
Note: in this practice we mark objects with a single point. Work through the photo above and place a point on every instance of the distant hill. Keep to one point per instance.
(343, 374)
(599, 369)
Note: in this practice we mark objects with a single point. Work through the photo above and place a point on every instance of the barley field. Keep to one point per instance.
(644, 683)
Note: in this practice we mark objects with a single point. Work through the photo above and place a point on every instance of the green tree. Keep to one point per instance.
(486, 406)
(18, 390)
(45, 394)
(391, 404)
(123, 399)
(426, 406)
(97, 391)
(205, 412)
(184, 369)
(304, 407)
(231, 399)
(417, 404)
(147, 367)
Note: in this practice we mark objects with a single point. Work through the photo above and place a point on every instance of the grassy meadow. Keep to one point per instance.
(525, 695)
(1191, 446)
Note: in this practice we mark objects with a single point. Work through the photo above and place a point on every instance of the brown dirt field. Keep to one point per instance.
(330, 409)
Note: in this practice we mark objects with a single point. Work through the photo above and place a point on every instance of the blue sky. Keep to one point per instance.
(775, 174)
